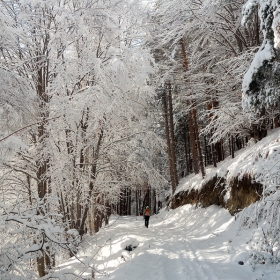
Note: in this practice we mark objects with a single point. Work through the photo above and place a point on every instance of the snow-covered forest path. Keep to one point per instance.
(181, 244)
(167, 253)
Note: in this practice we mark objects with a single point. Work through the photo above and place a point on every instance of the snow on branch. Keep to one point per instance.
(44, 230)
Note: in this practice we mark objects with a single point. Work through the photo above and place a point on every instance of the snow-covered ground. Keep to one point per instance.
(188, 243)
(181, 244)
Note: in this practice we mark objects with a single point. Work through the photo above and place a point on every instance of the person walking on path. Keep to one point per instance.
(147, 214)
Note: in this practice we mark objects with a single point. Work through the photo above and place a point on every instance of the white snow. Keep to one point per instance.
(181, 244)
(247, 8)
(265, 53)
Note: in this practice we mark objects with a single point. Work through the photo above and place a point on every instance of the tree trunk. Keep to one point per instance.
(155, 202)
(219, 151)
(198, 143)
(136, 203)
(147, 196)
(129, 202)
(93, 174)
(232, 147)
(41, 265)
(96, 222)
(186, 152)
(172, 136)
(190, 120)
(150, 197)
(209, 105)
(90, 221)
(139, 201)
(206, 158)
(107, 211)
(168, 140)
(275, 122)
(189, 153)
(121, 203)
(49, 259)
(43, 262)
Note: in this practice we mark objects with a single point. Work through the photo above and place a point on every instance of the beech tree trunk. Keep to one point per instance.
(42, 163)
(93, 173)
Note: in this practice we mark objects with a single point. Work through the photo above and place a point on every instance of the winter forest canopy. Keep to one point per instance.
(106, 105)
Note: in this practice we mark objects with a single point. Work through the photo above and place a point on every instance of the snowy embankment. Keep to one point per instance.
(181, 244)
(259, 161)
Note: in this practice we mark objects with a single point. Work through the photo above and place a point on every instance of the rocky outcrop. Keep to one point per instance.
(243, 192)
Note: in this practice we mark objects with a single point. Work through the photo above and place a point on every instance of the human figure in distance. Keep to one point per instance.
(147, 214)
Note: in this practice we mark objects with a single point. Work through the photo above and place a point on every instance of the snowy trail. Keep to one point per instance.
(167, 250)
(183, 244)
(185, 259)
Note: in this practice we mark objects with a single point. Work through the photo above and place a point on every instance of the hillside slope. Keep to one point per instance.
(236, 182)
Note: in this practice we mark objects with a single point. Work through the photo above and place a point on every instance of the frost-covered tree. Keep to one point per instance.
(175, 23)
(75, 98)
(217, 50)
(220, 54)
(262, 80)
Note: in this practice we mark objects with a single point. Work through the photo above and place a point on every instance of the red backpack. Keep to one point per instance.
(147, 212)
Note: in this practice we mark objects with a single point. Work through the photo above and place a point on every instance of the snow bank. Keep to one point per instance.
(260, 160)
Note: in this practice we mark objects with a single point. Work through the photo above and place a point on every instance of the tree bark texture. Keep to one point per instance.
(93, 174)
(186, 152)
(172, 136)
(190, 119)
(232, 146)
(202, 169)
(168, 140)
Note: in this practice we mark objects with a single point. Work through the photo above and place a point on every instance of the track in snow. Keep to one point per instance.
(165, 254)
(182, 244)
